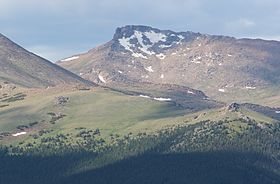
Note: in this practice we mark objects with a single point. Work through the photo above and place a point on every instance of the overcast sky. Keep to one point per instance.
(56, 29)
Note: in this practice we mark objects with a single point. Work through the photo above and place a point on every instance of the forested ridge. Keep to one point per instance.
(236, 151)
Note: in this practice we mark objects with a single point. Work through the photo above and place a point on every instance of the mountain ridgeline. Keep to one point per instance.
(21, 67)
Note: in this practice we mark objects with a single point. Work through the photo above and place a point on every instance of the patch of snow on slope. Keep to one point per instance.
(71, 58)
(195, 61)
(181, 37)
(277, 112)
(139, 55)
(161, 56)
(155, 37)
(144, 48)
(149, 69)
(18, 134)
(101, 78)
(162, 99)
(120, 71)
(250, 87)
(144, 96)
(125, 43)
(190, 92)
(222, 90)
(165, 46)
(161, 76)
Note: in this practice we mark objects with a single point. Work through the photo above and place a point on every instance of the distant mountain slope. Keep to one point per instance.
(18, 66)
(223, 67)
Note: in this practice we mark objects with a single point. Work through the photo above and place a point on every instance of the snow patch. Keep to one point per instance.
(161, 76)
(190, 92)
(71, 58)
(19, 134)
(181, 37)
(229, 55)
(222, 90)
(250, 87)
(101, 79)
(155, 37)
(149, 69)
(165, 46)
(125, 43)
(144, 48)
(120, 71)
(277, 112)
(196, 62)
(156, 98)
(162, 99)
(144, 96)
(139, 55)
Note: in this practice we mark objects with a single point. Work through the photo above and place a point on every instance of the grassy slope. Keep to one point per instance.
(111, 112)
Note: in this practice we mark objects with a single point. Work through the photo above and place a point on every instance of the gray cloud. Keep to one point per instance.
(65, 27)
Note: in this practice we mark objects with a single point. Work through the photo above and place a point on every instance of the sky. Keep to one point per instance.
(56, 29)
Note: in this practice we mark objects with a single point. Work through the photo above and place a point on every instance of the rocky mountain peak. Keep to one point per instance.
(145, 41)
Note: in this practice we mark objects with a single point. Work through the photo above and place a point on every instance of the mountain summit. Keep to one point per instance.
(21, 67)
(143, 41)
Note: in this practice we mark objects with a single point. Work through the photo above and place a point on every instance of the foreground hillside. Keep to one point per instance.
(224, 68)
(97, 134)
(23, 68)
(232, 150)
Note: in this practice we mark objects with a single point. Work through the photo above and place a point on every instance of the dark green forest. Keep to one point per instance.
(207, 152)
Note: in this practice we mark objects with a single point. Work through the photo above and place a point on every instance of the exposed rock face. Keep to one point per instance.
(145, 41)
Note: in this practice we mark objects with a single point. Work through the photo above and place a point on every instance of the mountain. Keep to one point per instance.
(160, 114)
(21, 67)
(225, 68)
